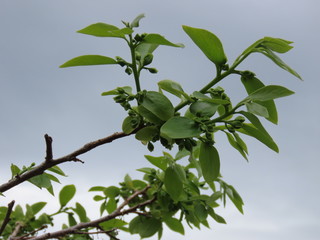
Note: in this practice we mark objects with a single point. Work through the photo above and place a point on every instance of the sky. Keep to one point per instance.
(280, 191)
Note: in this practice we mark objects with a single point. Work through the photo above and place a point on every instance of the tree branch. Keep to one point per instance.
(49, 162)
(7, 217)
(95, 223)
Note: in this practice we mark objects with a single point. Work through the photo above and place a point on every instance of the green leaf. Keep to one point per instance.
(269, 92)
(203, 109)
(205, 98)
(14, 170)
(160, 162)
(173, 183)
(241, 143)
(235, 144)
(105, 30)
(216, 217)
(145, 48)
(158, 104)
(172, 87)
(112, 191)
(180, 127)
(127, 90)
(174, 224)
(200, 212)
(259, 135)
(57, 170)
(257, 109)
(72, 221)
(154, 38)
(235, 198)
(148, 115)
(209, 162)
(267, 52)
(87, 60)
(41, 181)
(255, 121)
(209, 44)
(135, 22)
(97, 189)
(252, 84)
(113, 223)
(147, 133)
(127, 126)
(81, 212)
(66, 194)
(37, 207)
(180, 172)
(144, 226)
(111, 205)
(276, 44)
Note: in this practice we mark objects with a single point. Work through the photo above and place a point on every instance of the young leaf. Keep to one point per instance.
(174, 224)
(111, 205)
(160, 162)
(81, 212)
(57, 170)
(235, 144)
(255, 121)
(135, 22)
(252, 84)
(127, 126)
(173, 183)
(269, 92)
(209, 44)
(72, 221)
(41, 181)
(259, 135)
(14, 170)
(180, 127)
(154, 38)
(37, 207)
(105, 30)
(87, 60)
(158, 104)
(235, 198)
(66, 194)
(209, 162)
(257, 109)
(276, 44)
(172, 87)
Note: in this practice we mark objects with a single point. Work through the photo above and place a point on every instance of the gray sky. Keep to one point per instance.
(36, 97)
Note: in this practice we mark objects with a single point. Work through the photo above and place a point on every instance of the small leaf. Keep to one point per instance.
(97, 189)
(154, 38)
(174, 224)
(276, 44)
(158, 104)
(252, 84)
(203, 109)
(209, 44)
(41, 181)
(144, 226)
(145, 48)
(87, 60)
(127, 90)
(113, 223)
(172, 87)
(269, 92)
(57, 170)
(234, 144)
(255, 121)
(216, 217)
(173, 183)
(200, 212)
(81, 212)
(147, 133)
(105, 30)
(180, 127)
(235, 198)
(160, 162)
(14, 170)
(112, 191)
(111, 205)
(72, 221)
(66, 194)
(257, 109)
(37, 207)
(209, 162)
(135, 22)
(127, 126)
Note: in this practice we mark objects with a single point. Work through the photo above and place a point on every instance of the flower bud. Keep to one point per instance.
(153, 70)
(147, 59)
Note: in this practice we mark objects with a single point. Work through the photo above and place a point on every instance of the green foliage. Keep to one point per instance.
(172, 191)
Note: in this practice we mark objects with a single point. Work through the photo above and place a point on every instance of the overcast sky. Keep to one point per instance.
(281, 191)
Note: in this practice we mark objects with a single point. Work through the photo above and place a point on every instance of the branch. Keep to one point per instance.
(95, 223)
(49, 162)
(7, 217)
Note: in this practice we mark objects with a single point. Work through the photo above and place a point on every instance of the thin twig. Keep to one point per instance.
(95, 223)
(7, 217)
(49, 154)
(16, 231)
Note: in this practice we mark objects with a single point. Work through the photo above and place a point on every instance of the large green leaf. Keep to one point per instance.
(105, 30)
(144, 226)
(209, 44)
(158, 104)
(209, 162)
(154, 38)
(259, 135)
(269, 92)
(66, 194)
(180, 127)
(146, 134)
(87, 60)
(174, 224)
(173, 183)
(252, 84)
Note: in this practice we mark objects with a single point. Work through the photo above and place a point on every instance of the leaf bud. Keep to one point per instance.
(153, 70)
(147, 59)
(138, 56)
(240, 119)
(128, 71)
(121, 61)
